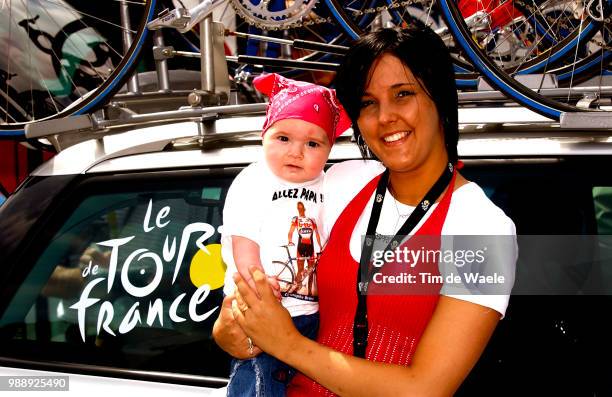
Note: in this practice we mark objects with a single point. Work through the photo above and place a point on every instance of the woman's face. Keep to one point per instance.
(398, 120)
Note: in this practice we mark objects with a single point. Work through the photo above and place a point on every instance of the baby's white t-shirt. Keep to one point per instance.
(262, 207)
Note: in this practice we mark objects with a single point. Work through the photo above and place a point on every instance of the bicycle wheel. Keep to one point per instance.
(504, 81)
(284, 273)
(64, 57)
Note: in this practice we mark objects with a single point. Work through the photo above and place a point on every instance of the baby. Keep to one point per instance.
(272, 215)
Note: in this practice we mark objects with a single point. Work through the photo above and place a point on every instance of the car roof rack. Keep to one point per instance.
(69, 131)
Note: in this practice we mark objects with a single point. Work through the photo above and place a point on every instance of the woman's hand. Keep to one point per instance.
(263, 318)
(229, 335)
(273, 281)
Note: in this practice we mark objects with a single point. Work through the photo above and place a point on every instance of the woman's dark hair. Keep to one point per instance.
(424, 53)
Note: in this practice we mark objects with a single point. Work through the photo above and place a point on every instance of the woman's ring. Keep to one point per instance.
(250, 345)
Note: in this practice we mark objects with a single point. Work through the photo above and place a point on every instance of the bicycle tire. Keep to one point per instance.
(582, 70)
(284, 273)
(68, 99)
(497, 77)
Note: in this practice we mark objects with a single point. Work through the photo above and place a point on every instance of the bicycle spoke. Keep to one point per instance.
(84, 56)
(138, 3)
(569, 91)
(58, 57)
(6, 112)
(316, 34)
(525, 59)
(10, 101)
(94, 17)
(227, 4)
(51, 97)
(8, 51)
(429, 9)
(119, 54)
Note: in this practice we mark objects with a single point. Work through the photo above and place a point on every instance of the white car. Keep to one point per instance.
(111, 271)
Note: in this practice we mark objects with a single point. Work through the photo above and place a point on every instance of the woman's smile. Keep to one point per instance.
(396, 138)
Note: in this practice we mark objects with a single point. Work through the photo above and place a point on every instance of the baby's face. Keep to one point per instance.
(296, 150)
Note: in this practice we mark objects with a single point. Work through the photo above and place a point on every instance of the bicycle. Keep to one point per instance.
(89, 53)
(476, 30)
(570, 40)
(286, 275)
(65, 34)
(504, 39)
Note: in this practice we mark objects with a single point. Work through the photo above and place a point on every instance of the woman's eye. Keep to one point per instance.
(402, 94)
(313, 144)
(366, 102)
(283, 138)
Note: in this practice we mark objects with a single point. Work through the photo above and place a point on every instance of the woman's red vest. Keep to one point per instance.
(396, 321)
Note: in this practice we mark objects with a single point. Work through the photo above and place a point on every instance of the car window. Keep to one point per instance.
(131, 277)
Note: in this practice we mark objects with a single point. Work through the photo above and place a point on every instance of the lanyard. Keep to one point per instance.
(360, 325)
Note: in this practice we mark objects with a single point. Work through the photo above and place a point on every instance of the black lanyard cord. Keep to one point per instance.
(360, 325)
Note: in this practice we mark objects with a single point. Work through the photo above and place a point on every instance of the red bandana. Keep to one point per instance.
(291, 99)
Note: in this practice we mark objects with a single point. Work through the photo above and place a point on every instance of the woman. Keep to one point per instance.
(398, 88)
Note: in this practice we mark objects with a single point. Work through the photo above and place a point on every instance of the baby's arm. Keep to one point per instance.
(246, 254)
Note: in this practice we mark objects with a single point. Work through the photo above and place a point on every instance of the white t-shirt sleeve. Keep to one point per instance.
(475, 215)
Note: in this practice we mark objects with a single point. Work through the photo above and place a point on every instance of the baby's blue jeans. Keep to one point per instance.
(265, 375)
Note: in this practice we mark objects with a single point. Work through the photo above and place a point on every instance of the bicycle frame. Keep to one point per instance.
(183, 19)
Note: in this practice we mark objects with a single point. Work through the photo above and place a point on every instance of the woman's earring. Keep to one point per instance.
(361, 143)
(363, 148)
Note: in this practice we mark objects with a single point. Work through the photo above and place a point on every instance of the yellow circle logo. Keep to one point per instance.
(208, 268)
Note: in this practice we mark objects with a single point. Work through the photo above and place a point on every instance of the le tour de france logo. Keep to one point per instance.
(170, 256)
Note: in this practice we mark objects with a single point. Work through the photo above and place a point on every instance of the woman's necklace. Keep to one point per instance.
(401, 218)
